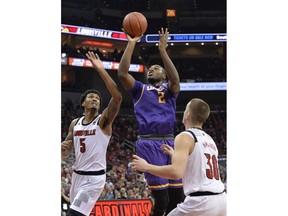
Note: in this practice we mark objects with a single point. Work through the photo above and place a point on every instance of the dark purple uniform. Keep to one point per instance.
(154, 108)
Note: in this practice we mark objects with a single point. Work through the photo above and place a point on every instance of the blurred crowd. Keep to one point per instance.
(191, 69)
(81, 52)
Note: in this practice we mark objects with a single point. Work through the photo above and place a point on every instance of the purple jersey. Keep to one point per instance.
(154, 108)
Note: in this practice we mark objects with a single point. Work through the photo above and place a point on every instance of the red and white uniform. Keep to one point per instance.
(90, 146)
(202, 175)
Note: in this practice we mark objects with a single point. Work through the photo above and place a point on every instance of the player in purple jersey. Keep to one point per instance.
(154, 108)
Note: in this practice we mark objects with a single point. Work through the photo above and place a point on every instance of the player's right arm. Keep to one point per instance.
(125, 78)
(184, 145)
(67, 144)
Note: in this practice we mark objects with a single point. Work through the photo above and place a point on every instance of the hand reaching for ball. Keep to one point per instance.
(129, 38)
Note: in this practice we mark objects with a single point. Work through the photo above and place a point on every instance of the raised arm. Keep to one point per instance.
(171, 71)
(125, 78)
(113, 107)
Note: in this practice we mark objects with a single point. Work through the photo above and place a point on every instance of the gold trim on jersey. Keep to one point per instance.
(143, 87)
(159, 186)
(166, 185)
(175, 185)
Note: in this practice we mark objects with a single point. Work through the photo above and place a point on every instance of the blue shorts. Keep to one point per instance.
(150, 151)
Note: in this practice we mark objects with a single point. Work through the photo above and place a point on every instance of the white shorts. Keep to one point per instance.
(85, 191)
(212, 205)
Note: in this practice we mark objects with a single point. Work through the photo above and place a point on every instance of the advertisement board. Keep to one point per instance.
(122, 208)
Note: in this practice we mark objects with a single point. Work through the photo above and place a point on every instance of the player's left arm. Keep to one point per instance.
(110, 113)
(183, 145)
(67, 144)
(171, 71)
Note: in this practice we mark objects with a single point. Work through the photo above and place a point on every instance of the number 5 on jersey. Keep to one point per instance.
(82, 145)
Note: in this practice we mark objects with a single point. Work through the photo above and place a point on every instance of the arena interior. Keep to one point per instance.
(199, 63)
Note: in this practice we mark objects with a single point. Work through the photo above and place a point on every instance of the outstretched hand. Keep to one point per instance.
(163, 38)
(139, 164)
(167, 149)
(129, 38)
(95, 60)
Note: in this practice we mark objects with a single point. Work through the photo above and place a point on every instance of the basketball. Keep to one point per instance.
(135, 24)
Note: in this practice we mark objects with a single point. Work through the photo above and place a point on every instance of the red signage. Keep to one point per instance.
(93, 32)
(122, 208)
(79, 62)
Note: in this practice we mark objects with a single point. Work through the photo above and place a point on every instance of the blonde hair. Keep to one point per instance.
(200, 110)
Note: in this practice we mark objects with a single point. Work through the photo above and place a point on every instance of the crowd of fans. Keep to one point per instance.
(195, 69)
(81, 52)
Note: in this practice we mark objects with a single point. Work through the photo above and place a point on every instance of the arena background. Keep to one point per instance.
(94, 25)
(256, 66)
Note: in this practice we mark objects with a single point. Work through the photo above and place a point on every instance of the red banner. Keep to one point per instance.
(79, 62)
(93, 32)
(122, 208)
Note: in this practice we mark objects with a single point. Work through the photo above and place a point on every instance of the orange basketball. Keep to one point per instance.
(135, 24)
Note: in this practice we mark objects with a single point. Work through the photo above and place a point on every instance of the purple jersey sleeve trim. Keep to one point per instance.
(143, 87)
(175, 94)
(136, 91)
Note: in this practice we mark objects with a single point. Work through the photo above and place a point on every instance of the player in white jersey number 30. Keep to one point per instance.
(195, 160)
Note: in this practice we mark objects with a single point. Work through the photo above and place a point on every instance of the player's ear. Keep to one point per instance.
(189, 115)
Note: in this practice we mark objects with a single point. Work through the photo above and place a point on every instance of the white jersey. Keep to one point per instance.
(202, 175)
(202, 171)
(90, 145)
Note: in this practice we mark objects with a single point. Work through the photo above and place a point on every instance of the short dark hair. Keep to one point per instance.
(84, 95)
(200, 110)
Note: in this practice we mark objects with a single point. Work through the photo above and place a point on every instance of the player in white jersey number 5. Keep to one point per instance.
(90, 135)
(195, 160)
